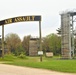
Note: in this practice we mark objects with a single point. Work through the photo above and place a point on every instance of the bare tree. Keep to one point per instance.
(25, 44)
(13, 41)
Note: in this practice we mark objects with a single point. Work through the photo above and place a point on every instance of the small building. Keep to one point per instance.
(33, 46)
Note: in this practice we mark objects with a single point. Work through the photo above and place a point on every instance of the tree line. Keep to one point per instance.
(50, 43)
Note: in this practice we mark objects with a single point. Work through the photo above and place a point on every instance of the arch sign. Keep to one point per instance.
(20, 19)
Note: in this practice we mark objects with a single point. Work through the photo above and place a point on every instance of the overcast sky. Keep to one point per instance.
(48, 9)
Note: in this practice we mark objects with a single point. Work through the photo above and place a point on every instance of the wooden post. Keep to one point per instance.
(40, 44)
(2, 41)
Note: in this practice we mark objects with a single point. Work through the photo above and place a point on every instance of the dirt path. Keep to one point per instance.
(16, 70)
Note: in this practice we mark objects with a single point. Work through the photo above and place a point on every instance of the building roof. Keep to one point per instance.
(34, 38)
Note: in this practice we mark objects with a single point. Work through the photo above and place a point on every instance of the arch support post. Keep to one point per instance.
(2, 41)
(40, 46)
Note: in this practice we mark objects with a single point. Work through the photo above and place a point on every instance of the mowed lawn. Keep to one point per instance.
(47, 63)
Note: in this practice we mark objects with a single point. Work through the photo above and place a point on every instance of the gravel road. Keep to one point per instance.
(16, 70)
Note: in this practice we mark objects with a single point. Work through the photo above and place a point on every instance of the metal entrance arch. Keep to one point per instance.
(21, 19)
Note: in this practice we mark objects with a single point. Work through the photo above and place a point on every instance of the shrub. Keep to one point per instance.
(22, 55)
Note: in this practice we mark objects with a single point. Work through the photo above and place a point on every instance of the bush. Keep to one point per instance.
(22, 56)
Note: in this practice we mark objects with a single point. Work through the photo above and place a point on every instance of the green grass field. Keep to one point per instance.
(47, 63)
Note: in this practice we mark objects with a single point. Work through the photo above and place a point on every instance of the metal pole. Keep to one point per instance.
(72, 38)
(40, 40)
(2, 41)
(70, 43)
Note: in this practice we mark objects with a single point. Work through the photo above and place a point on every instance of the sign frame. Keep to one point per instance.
(21, 19)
